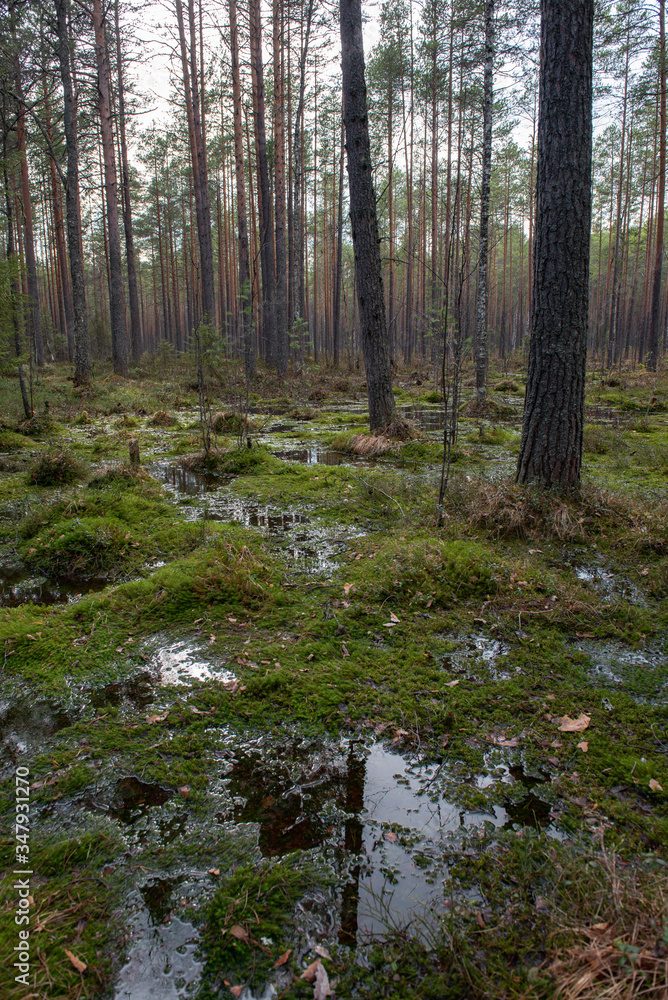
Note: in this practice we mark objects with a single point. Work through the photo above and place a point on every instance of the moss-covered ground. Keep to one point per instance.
(518, 652)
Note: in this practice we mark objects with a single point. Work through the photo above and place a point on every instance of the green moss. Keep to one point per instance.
(56, 469)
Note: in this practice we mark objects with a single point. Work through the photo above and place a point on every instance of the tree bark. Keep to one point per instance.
(653, 338)
(264, 190)
(369, 280)
(119, 337)
(242, 219)
(551, 446)
(279, 197)
(481, 346)
(135, 316)
(82, 362)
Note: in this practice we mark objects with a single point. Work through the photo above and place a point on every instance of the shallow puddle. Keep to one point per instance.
(17, 588)
(642, 673)
(26, 719)
(466, 652)
(162, 962)
(311, 548)
(380, 818)
(183, 663)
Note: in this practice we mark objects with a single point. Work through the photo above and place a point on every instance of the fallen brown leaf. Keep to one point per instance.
(322, 987)
(569, 725)
(283, 959)
(654, 785)
(584, 746)
(76, 962)
(236, 991)
(309, 972)
(240, 933)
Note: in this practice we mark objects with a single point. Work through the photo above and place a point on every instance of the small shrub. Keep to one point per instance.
(117, 475)
(55, 470)
(433, 397)
(317, 394)
(507, 385)
(163, 419)
(39, 425)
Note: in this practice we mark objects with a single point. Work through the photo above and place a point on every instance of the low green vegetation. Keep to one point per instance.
(517, 652)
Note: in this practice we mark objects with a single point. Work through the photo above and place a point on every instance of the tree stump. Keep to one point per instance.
(134, 453)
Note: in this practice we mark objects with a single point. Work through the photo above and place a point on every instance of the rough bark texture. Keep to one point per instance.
(280, 228)
(82, 363)
(297, 227)
(197, 156)
(368, 275)
(242, 218)
(119, 336)
(481, 352)
(135, 316)
(264, 201)
(551, 447)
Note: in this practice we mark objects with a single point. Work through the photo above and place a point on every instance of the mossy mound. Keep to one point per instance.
(9, 441)
(55, 470)
(39, 425)
(232, 461)
(122, 476)
(161, 418)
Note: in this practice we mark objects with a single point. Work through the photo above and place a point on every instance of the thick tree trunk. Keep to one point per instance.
(242, 220)
(481, 346)
(368, 274)
(135, 316)
(119, 337)
(82, 362)
(551, 447)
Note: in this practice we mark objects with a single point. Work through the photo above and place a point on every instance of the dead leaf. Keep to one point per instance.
(157, 718)
(322, 987)
(76, 962)
(394, 618)
(347, 587)
(389, 624)
(184, 791)
(283, 959)
(236, 991)
(390, 835)
(309, 973)
(569, 725)
(214, 871)
(584, 746)
(344, 650)
(240, 933)
(480, 920)
(322, 951)
(654, 785)
(452, 684)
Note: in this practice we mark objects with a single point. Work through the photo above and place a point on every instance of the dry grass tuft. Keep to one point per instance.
(622, 951)
(534, 513)
(368, 444)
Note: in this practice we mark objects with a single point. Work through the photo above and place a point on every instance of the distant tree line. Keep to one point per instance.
(234, 216)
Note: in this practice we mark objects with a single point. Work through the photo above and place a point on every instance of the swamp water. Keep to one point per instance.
(376, 818)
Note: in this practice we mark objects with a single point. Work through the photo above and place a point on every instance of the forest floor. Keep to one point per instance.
(284, 733)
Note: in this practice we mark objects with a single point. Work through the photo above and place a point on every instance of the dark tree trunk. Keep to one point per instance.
(198, 159)
(82, 363)
(264, 201)
(297, 227)
(119, 337)
(551, 447)
(135, 316)
(242, 219)
(369, 280)
(280, 228)
(481, 347)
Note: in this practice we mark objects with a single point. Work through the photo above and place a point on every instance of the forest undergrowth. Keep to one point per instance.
(281, 725)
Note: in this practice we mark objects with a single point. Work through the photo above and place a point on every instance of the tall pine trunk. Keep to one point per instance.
(119, 337)
(82, 361)
(368, 275)
(481, 346)
(551, 446)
